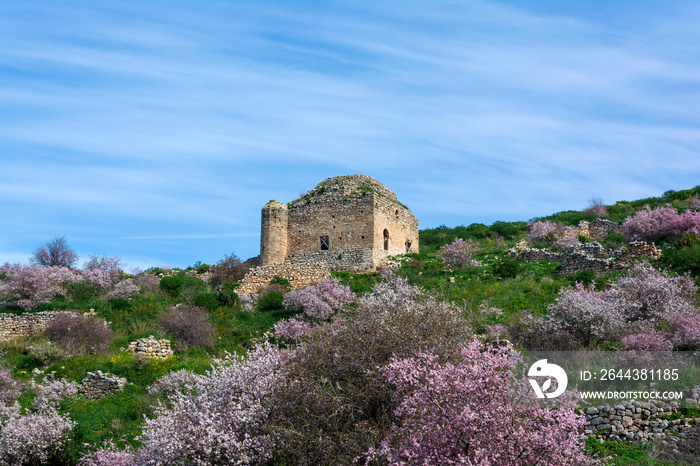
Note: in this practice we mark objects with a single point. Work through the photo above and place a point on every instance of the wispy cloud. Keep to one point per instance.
(157, 121)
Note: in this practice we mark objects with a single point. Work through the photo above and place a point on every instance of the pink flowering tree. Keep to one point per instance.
(103, 271)
(219, 417)
(125, 289)
(26, 286)
(108, 455)
(661, 223)
(37, 435)
(459, 253)
(685, 330)
(55, 252)
(591, 316)
(554, 234)
(652, 340)
(476, 412)
(319, 302)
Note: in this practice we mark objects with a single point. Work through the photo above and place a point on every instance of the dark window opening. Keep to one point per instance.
(325, 243)
(386, 239)
(408, 246)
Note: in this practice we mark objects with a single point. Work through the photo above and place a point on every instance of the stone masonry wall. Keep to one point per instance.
(590, 256)
(98, 385)
(348, 223)
(24, 325)
(299, 275)
(352, 260)
(637, 420)
(151, 348)
(598, 229)
(401, 224)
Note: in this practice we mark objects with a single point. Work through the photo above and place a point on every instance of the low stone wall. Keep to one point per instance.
(299, 275)
(637, 249)
(352, 260)
(590, 256)
(598, 229)
(637, 420)
(98, 385)
(24, 325)
(151, 348)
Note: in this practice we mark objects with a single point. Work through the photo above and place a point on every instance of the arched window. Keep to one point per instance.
(386, 239)
(408, 246)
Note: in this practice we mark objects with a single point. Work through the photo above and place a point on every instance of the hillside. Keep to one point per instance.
(344, 369)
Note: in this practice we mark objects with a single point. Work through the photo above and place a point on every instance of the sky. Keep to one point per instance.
(157, 130)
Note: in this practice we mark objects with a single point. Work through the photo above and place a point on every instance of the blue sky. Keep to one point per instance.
(156, 130)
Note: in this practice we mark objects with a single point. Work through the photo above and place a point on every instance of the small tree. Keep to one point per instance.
(79, 334)
(596, 206)
(55, 252)
(230, 269)
(458, 253)
(189, 325)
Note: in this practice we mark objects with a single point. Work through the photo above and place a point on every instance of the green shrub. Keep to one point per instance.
(505, 267)
(583, 276)
(277, 280)
(683, 260)
(613, 240)
(271, 301)
(45, 353)
(120, 304)
(509, 229)
(171, 285)
(83, 290)
(206, 299)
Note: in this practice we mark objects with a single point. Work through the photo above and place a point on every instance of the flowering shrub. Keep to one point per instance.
(292, 329)
(9, 388)
(189, 325)
(660, 223)
(249, 302)
(125, 289)
(108, 455)
(179, 381)
(459, 253)
(79, 334)
(337, 401)
(26, 286)
(102, 278)
(652, 340)
(559, 236)
(596, 206)
(648, 295)
(685, 328)
(220, 418)
(591, 316)
(642, 297)
(474, 412)
(320, 301)
(111, 266)
(36, 436)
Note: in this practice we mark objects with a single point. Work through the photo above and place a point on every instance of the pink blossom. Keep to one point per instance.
(125, 289)
(108, 455)
(320, 301)
(660, 223)
(475, 412)
(291, 328)
(459, 253)
(27, 286)
(652, 340)
(685, 328)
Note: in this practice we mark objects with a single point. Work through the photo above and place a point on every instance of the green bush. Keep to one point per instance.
(683, 260)
(271, 301)
(45, 353)
(613, 240)
(172, 285)
(83, 290)
(277, 280)
(506, 267)
(206, 299)
(584, 276)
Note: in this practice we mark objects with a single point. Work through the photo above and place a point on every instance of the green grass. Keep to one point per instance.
(624, 454)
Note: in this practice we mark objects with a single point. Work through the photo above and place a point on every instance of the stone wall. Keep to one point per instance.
(299, 275)
(348, 224)
(590, 256)
(24, 325)
(352, 260)
(400, 224)
(637, 420)
(273, 233)
(98, 385)
(598, 229)
(151, 348)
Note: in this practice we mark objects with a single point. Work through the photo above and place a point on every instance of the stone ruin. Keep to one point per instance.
(151, 348)
(98, 385)
(350, 223)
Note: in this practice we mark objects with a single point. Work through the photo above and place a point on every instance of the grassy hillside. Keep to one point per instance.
(494, 291)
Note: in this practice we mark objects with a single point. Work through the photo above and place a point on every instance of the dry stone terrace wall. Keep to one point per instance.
(151, 348)
(638, 420)
(25, 324)
(598, 229)
(299, 275)
(590, 256)
(98, 385)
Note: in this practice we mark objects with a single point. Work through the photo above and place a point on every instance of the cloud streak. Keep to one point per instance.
(157, 120)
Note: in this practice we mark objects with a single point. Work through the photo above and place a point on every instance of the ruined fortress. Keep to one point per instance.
(348, 223)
